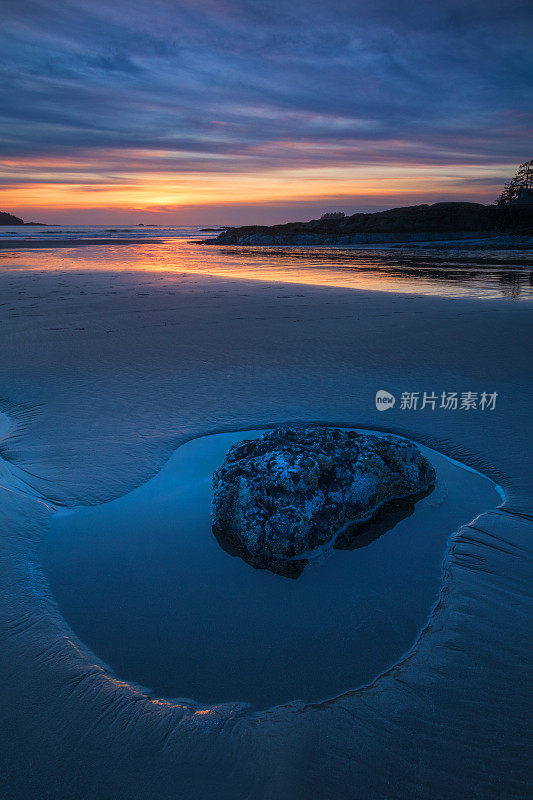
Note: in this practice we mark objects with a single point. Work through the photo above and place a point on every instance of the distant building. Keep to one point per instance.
(333, 215)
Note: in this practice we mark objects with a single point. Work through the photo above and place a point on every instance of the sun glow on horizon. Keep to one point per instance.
(62, 184)
(241, 110)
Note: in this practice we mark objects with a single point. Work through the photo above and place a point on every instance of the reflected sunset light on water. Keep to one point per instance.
(436, 271)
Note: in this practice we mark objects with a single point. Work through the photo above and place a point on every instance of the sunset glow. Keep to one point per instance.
(231, 112)
(57, 190)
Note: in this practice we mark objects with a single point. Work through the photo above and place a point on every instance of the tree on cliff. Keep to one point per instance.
(522, 182)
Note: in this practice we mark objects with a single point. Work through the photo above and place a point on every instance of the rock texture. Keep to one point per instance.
(279, 498)
(410, 223)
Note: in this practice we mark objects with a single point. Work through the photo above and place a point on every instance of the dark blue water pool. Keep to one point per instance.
(144, 583)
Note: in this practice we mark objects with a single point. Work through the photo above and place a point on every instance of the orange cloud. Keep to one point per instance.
(77, 184)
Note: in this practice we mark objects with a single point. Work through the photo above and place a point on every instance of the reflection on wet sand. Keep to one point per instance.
(482, 273)
(462, 271)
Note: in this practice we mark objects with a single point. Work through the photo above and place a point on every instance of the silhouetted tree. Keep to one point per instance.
(523, 180)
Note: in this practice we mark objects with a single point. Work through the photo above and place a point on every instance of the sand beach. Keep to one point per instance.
(106, 368)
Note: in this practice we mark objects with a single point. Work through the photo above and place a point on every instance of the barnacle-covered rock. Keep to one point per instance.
(279, 498)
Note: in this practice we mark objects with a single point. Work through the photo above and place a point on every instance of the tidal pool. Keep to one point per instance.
(143, 582)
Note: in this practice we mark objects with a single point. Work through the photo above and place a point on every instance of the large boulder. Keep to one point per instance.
(281, 497)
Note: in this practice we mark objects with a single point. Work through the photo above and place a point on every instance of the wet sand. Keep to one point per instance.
(45, 244)
(104, 374)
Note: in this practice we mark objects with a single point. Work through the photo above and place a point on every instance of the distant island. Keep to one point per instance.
(11, 219)
(410, 223)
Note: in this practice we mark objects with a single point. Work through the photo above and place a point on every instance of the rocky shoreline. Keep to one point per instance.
(422, 223)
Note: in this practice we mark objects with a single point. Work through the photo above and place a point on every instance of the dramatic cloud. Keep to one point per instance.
(171, 104)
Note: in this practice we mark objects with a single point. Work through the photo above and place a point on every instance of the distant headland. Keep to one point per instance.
(11, 219)
(510, 217)
(406, 224)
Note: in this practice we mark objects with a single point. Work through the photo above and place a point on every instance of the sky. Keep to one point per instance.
(243, 111)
